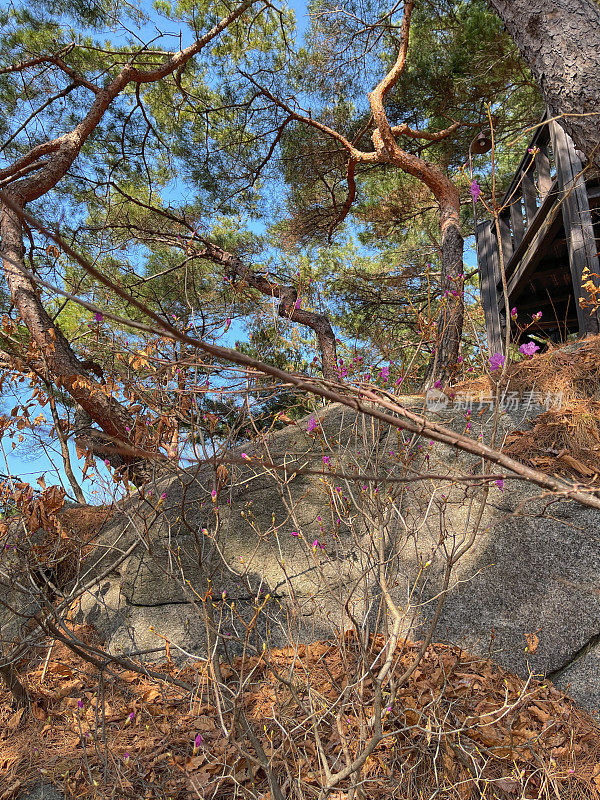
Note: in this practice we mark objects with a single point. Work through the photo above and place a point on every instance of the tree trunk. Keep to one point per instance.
(444, 363)
(62, 365)
(560, 42)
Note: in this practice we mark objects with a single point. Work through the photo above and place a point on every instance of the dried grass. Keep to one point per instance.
(563, 440)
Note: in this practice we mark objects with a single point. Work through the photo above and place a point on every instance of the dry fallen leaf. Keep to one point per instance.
(38, 711)
(13, 722)
(532, 642)
(507, 784)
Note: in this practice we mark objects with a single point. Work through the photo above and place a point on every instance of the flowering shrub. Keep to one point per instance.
(475, 190)
(529, 349)
(496, 361)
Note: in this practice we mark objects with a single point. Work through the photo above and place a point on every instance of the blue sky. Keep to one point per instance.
(28, 461)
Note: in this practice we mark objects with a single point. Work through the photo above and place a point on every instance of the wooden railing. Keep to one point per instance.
(548, 191)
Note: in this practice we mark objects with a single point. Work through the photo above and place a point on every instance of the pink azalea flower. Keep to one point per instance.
(213, 494)
(312, 424)
(529, 349)
(325, 459)
(537, 317)
(98, 316)
(496, 361)
(500, 484)
(475, 190)
(513, 313)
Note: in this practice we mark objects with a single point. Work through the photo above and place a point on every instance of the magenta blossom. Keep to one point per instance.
(98, 316)
(475, 190)
(384, 374)
(312, 424)
(325, 459)
(513, 313)
(496, 361)
(500, 484)
(529, 349)
(197, 741)
(537, 317)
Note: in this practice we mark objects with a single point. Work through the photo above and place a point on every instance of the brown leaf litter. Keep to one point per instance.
(460, 727)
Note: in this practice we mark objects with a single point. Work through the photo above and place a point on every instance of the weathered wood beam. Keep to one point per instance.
(542, 162)
(579, 230)
(516, 219)
(533, 246)
(505, 236)
(529, 196)
(489, 275)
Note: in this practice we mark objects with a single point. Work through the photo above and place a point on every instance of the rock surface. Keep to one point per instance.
(42, 791)
(534, 567)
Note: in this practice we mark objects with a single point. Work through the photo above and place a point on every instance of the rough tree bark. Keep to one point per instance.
(560, 42)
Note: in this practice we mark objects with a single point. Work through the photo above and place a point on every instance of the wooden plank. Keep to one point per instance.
(593, 193)
(489, 272)
(539, 302)
(579, 230)
(540, 137)
(542, 162)
(522, 250)
(505, 237)
(535, 246)
(529, 197)
(516, 220)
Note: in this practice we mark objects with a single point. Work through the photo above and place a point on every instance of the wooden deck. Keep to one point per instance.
(549, 230)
